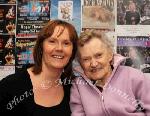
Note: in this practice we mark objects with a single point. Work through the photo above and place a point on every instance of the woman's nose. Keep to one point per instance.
(94, 63)
(59, 46)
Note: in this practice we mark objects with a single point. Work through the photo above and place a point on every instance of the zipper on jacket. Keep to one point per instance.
(102, 98)
(103, 106)
(102, 103)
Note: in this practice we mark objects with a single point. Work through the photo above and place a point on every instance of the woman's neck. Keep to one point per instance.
(51, 74)
(103, 81)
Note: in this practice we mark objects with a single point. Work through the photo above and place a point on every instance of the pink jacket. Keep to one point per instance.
(126, 93)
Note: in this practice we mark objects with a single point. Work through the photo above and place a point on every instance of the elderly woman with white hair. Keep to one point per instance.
(103, 86)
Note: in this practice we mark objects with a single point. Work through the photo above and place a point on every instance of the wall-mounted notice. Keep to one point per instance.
(68, 10)
(24, 48)
(8, 19)
(31, 17)
(137, 48)
(7, 50)
(98, 14)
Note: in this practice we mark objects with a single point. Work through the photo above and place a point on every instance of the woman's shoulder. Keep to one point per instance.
(136, 75)
(15, 81)
(14, 77)
(130, 69)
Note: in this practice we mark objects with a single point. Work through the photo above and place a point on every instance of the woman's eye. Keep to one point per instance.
(67, 43)
(85, 60)
(98, 55)
(51, 41)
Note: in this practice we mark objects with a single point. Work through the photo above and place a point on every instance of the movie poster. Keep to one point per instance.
(2, 19)
(7, 1)
(8, 19)
(137, 49)
(68, 10)
(1, 49)
(9, 57)
(24, 48)
(7, 50)
(98, 14)
(65, 10)
(32, 16)
(131, 12)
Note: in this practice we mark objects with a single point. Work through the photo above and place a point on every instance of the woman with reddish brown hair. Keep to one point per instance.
(39, 90)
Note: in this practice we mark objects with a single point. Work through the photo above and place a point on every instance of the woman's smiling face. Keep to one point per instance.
(57, 49)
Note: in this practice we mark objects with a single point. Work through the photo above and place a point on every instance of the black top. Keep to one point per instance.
(132, 18)
(16, 98)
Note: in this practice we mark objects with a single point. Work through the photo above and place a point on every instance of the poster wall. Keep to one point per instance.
(137, 49)
(67, 10)
(20, 21)
(126, 22)
(31, 17)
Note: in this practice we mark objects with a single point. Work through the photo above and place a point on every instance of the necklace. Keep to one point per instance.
(46, 84)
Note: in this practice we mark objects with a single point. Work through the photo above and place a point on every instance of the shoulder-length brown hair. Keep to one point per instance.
(46, 32)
